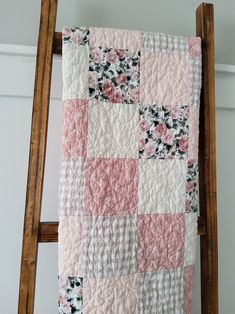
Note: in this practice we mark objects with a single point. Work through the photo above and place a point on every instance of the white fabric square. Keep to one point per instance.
(112, 130)
(190, 238)
(162, 186)
(70, 248)
(75, 72)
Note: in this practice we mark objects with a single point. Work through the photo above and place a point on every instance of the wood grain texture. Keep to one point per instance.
(48, 232)
(37, 157)
(57, 43)
(207, 162)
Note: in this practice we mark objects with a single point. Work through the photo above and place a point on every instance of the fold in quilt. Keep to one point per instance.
(128, 191)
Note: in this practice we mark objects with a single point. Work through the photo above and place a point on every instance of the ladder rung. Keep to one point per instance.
(48, 231)
(57, 43)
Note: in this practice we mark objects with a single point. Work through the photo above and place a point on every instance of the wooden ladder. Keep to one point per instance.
(35, 231)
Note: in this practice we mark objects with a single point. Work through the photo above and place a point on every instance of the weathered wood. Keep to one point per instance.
(48, 231)
(57, 43)
(201, 226)
(37, 157)
(207, 162)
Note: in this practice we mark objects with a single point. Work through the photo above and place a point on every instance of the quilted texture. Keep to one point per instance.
(161, 186)
(128, 189)
(110, 186)
(158, 84)
(116, 134)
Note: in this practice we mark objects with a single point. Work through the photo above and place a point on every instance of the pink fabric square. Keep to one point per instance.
(193, 132)
(194, 44)
(111, 295)
(74, 128)
(115, 38)
(188, 288)
(110, 186)
(164, 79)
(161, 241)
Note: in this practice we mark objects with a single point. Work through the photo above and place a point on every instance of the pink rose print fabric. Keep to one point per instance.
(75, 36)
(163, 132)
(114, 75)
(128, 186)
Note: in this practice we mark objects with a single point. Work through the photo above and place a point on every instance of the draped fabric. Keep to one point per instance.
(128, 190)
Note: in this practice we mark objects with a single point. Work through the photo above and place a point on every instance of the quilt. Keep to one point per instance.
(128, 189)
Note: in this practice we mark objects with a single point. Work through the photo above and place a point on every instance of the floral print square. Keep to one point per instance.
(114, 75)
(192, 187)
(72, 300)
(75, 35)
(163, 132)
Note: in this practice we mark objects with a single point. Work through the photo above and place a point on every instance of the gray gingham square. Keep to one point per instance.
(71, 187)
(110, 245)
(161, 292)
(159, 42)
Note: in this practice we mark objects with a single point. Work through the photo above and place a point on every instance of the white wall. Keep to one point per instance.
(226, 212)
(17, 77)
(225, 88)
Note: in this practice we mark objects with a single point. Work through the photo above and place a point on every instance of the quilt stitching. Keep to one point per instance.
(75, 83)
(71, 187)
(128, 189)
(110, 186)
(102, 295)
(112, 130)
(110, 247)
(164, 79)
(153, 42)
(74, 133)
(162, 291)
(161, 186)
(160, 241)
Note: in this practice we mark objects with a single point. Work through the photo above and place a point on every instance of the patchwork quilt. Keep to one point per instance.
(128, 190)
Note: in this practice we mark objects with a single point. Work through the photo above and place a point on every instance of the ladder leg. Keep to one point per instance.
(207, 163)
(37, 156)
